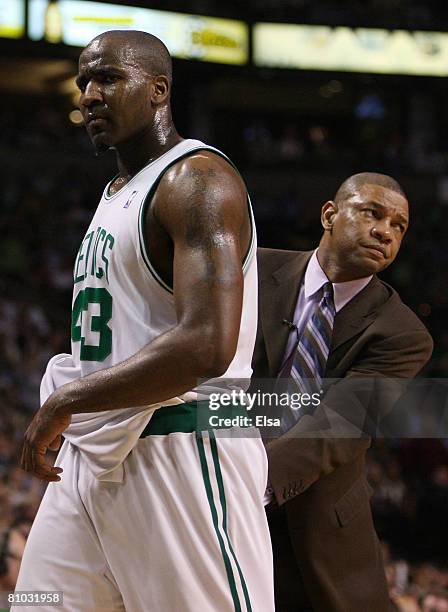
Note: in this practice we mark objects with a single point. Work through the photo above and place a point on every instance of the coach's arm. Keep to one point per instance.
(351, 410)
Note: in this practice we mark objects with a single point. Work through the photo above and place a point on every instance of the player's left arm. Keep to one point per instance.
(202, 205)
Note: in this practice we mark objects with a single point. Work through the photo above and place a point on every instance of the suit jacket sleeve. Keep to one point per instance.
(351, 410)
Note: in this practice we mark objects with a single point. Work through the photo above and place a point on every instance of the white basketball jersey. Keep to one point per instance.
(120, 304)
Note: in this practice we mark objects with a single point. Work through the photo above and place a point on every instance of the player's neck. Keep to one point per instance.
(144, 148)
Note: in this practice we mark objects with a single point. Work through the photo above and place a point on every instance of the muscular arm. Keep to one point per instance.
(201, 202)
(336, 433)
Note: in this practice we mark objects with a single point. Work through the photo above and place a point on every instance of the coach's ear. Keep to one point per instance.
(327, 215)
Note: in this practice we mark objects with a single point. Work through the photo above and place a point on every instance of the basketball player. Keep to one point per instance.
(142, 513)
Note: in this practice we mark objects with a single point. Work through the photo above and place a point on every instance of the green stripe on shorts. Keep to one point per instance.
(222, 498)
(214, 512)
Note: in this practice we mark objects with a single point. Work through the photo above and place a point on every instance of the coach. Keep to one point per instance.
(325, 315)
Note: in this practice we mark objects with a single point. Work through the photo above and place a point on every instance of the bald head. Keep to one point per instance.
(148, 50)
(124, 77)
(354, 183)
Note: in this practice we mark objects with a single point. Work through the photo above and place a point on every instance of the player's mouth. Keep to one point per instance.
(97, 122)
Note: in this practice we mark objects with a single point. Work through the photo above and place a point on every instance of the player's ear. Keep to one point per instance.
(327, 215)
(160, 89)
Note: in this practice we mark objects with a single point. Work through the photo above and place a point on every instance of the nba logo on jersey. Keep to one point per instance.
(131, 197)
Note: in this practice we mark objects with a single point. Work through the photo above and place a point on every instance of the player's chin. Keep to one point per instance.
(100, 144)
(101, 136)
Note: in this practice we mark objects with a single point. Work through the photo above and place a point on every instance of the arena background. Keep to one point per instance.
(295, 134)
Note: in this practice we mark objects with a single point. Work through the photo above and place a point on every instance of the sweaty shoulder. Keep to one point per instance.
(203, 173)
(202, 200)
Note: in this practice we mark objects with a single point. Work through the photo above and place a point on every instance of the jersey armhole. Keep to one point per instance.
(147, 201)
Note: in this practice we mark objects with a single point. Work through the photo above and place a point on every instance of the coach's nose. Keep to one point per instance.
(382, 232)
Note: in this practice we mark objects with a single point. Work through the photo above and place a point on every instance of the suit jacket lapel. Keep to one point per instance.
(278, 297)
(356, 316)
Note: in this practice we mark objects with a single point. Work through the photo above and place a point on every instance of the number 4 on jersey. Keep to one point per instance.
(98, 323)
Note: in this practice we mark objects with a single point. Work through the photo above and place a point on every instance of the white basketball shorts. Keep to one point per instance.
(185, 531)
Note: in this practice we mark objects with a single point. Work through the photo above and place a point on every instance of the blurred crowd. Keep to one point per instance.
(410, 505)
(50, 186)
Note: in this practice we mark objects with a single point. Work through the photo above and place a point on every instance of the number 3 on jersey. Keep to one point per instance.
(98, 323)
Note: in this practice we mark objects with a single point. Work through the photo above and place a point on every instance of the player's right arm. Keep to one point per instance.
(202, 205)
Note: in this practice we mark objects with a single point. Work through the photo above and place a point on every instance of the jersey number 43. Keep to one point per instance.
(84, 323)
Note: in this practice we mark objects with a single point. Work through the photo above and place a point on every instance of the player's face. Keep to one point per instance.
(368, 229)
(115, 96)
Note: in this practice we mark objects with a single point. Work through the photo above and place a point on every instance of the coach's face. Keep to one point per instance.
(365, 230)
(116, 93)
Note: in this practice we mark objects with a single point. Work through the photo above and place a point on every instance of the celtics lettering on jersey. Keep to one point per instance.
(92, 306)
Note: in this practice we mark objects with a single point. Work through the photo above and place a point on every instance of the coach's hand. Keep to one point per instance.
(43, 433)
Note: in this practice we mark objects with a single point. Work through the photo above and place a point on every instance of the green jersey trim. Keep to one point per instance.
(110, 196)
(147, 201)
(188, 417)
(107, 195)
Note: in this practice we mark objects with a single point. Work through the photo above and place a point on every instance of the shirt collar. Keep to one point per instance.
(315, 278)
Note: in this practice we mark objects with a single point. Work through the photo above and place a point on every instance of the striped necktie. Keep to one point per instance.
(306, 366)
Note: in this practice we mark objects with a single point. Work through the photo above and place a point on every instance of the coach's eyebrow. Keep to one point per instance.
(384, 208)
